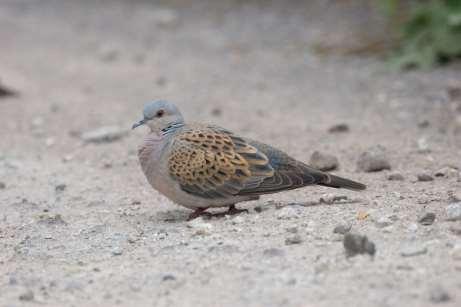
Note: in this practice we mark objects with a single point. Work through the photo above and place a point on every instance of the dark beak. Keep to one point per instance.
(140, 123)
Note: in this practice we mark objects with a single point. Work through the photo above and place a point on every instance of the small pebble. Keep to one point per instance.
(27, 296)
(423, 146)
(258, 209)
(424, 123)
(362, 215)
(292, 229)
(12, 281)
(355, 244)
(200, 227)
(454, 196)
(413, 227)
(342, 229)
(117, 251)
(296, 239)
(288, 212)
(51, 219)
(373, 160)
(168, 277)
(165, 17)
(453, 211)
(50, 142)
(383, 222)
(108, 54)
(216, 112)
(237, 220)
(395, 177)
(5, 91)
(2, 185)
(455, 230)
(273, 252)
(323, 161)
(454, 92)
(338, 128)
(456, 252)
(447, 172)
(60, 187)
(427, 218)
(439, 295)
(104, 134)
(424, 177)
(37, 122)
(413, 250)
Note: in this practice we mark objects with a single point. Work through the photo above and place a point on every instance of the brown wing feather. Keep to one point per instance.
(211, 162)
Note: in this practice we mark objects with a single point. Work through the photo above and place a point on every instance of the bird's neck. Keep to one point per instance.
(171, 128)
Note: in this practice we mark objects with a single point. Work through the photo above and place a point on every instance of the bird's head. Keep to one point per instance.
(160, 115)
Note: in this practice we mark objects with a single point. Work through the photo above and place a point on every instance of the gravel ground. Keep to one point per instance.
(80, 226)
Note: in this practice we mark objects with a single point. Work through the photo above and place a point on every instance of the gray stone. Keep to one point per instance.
(383, 222)
(453, 211)
(27, 296)
(427, 218)
(424, 123)
(355, 244)
(168, 277)
(51, 219)
(200, 226)
(292, 229)
(456, 252)
(104, 134)
(2, 185)
(373, 160)
(395, 177)
(108, 54)
(7, 92)
(273, 252)
(455, 230)
(165, 17)
(338, 128)
(117, 251)
(60, 187)
(439, 295)
(423, 146)
(424, 177)
(237, 220)
(413, 227)
(342, 229)
(447, 172)
(287, 213)
(412, 250)
(323, 161)
(296, 239)
(454, 196)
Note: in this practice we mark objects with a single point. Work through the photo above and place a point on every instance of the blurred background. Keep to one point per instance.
(335, 76)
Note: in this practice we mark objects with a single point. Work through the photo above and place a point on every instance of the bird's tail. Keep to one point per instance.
(339, 182)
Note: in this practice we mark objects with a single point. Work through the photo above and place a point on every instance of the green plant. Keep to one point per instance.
(429, 34)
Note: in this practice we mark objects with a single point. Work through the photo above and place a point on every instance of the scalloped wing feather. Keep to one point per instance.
(211, 162)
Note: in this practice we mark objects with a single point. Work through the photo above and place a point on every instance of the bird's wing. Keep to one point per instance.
(291, 174)
(288, 172)
(211, 162)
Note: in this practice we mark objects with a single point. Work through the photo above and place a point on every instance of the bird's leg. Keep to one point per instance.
(199, 212)
(232, 210)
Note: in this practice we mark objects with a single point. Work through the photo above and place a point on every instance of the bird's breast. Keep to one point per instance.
(152, 157)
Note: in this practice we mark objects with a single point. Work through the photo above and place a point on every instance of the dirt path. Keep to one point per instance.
(79, 225)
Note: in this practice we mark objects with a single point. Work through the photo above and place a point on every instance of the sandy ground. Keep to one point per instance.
(79, 225)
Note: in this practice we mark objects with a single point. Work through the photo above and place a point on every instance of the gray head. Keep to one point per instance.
(159, 115)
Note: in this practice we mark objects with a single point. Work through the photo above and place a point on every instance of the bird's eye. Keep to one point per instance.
(159, 113)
